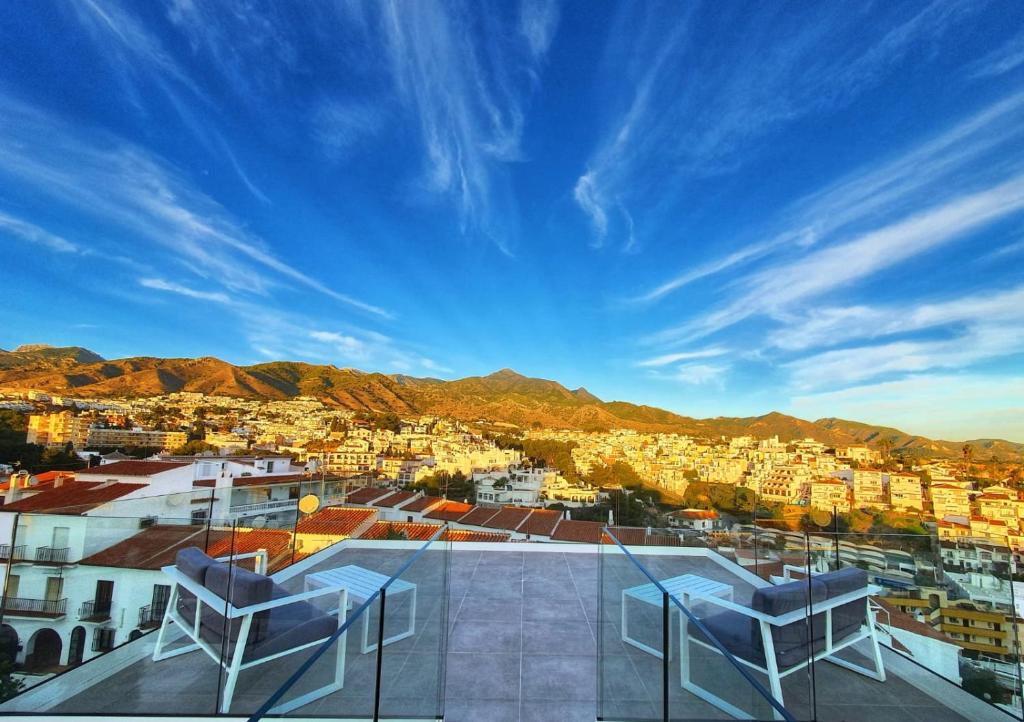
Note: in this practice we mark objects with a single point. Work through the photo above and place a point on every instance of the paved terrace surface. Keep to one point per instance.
(523, 632)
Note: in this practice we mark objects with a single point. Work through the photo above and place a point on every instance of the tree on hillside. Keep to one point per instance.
(194, 447)
(967, 454)
(556, 454)
(455, 486)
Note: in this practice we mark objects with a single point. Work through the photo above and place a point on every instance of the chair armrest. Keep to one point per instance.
(234, 612)
(261, 553)
(789, 617)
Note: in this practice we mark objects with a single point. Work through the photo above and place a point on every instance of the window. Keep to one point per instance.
(161, 593)
(12, 585)
(103, 640)
(199, 516)
(54, 587)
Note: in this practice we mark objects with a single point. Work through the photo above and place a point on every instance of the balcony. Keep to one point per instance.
(53, 555)
(150, 616)
(520, 640)
(43, 608)
(95, 611)
(264, 507)
(19, 554)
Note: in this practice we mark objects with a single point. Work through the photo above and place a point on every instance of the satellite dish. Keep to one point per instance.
(259, 522)
(309, 503)
(821, 517)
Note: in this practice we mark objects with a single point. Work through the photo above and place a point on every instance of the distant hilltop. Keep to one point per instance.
(504, 396)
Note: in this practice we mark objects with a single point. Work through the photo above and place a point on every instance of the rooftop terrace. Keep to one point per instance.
(523, 631)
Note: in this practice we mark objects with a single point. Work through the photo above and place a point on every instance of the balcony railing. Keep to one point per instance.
(22, 607)
(53, 555)
(20, 553)
(150, 616)
(263, 506)
(95, 610)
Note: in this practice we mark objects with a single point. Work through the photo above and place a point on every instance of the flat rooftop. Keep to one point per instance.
(514, 634)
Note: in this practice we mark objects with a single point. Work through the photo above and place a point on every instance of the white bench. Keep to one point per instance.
(362, 584)
(684, 587)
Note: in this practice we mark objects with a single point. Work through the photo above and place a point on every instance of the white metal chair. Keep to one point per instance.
(213, 603)
(776, 636)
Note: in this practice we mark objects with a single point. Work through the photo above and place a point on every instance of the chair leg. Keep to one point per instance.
(236, 664)
(172, 602)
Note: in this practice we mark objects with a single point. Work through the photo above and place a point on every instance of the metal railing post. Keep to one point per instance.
(380, 654)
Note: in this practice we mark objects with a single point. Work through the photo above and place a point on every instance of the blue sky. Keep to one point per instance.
(719, 209)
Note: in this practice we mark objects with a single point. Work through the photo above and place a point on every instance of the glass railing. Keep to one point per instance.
(386, 660)
(659, 657)
(114, 617)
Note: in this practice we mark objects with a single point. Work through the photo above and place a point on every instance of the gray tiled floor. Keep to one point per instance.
(523, 631)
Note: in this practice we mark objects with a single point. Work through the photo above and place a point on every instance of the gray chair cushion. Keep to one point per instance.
(732, 630)
(193, 563)
(291, 626)
(847, 618)
(246, 589)
(790, 641)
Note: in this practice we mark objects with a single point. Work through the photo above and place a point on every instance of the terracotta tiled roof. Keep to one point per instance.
(449, 511)
(73, 497)
(48, 476)
(638, 536)
(412, 531)
(393, 500)
(478, 516)
(423, 503)
(336, 520)
(470, 535)
(156, 546)
(509, 517)
(365, 496)
(578, 531)
(133, 468)
(541, 522)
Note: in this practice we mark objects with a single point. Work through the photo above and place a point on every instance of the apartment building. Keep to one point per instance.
(787, 484)
(950, 500)
(868, 488)
(137, 437)
(57, 429)
(830, 494)
(905, 492)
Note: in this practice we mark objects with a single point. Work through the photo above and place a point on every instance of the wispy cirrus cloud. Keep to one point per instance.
(670, 358)
(694, 374)
(538, 20)
(34, 234)
(776, 288)
(160, 284)
(692, 110)
(1003, 59)
(127, 188)
(936, 167)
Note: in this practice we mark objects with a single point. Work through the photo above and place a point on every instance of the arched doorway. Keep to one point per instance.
(8, 644)
(43, 651)
(76, 648)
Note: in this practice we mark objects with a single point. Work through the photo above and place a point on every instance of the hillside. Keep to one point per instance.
(502, 396)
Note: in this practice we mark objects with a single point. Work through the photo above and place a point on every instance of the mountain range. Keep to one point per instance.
(504, 396)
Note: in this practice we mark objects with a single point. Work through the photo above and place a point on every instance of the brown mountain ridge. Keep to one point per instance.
(504, 396)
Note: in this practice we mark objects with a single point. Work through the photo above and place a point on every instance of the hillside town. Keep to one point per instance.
(943, 537)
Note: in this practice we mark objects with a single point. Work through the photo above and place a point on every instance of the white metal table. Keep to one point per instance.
(685, 587)
(361, 585)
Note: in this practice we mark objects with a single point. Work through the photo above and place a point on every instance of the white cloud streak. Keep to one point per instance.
(670, 358)
(160, 284)
(129, 189)
(695, 111)
(34, 234)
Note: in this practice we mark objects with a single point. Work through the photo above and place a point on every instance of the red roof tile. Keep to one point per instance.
(578, 531)
(365, 496)
(541, 522)
(73, 497)
(638, 536)
(478, 516)
(133, 468)
(411, 531)
(393, 500)
(509, 517)
(154, 547)
(471, 535)
(449, 511)
(423, 503)
(336, 521)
